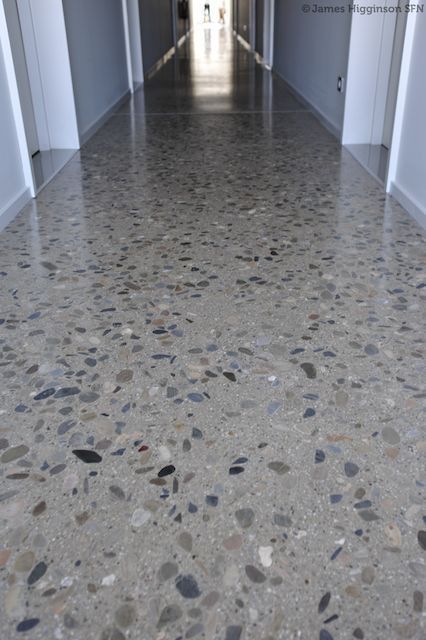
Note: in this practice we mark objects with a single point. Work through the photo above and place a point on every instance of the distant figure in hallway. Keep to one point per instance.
(207, 17)
(222, 12)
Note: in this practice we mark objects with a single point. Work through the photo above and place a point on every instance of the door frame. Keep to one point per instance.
(31, 54)
(394, 73)
(16, 103)
(268, 33)
(398, 121)
(22, 75)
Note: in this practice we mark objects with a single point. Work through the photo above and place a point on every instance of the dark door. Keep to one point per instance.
(244, 19)
(260, 18)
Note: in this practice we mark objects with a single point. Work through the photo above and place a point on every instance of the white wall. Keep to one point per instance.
(408, 179)
(310, 52)
(97, 51)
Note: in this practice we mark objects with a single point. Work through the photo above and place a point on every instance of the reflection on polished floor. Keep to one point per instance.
(373, 157)
(46, 164)
(213, 73)
(212, 385)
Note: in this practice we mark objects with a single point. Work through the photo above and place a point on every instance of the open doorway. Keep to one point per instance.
(211, 12)
(259, 26)
(374, 68)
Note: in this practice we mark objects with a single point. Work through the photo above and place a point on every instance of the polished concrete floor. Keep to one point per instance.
(212, 417)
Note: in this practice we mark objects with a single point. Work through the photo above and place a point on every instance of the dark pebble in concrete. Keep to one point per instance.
(44, 394)
(166, 471)
(187, 586)
(27, 625)
(351, 469)
(254, 574)
(38, 572)
(324, 602)
(233, 632)
(309, 369)
(87, 455)
(421, 537)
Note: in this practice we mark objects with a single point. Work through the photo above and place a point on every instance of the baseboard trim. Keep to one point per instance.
(411, 206)
(160, 63)
(364, 165)
(95, 126)
(182, 39)
(241, 40)
(137, 86)
(13, 207)
(70, 153)
(311, 107)
(261, 60)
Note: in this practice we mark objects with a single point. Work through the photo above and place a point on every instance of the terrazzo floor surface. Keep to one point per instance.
(212, 383)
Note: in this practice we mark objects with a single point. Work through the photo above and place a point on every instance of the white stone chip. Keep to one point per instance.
(265, 554)
(139, 517)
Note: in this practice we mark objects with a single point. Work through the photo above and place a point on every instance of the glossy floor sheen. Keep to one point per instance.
(212, 385)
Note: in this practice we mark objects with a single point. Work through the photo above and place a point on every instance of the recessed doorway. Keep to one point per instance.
(375, 55)
(43, 76)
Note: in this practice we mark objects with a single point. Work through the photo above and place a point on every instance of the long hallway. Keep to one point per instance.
(211, 387)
